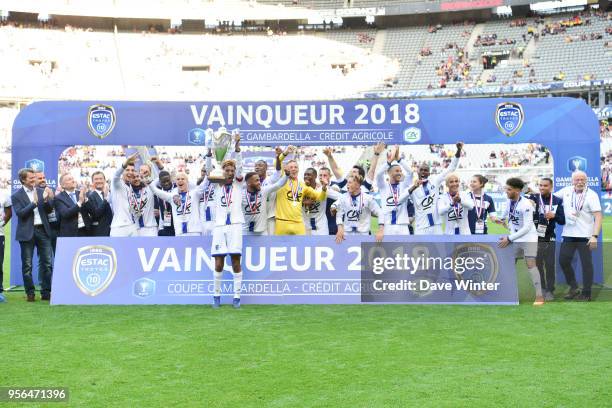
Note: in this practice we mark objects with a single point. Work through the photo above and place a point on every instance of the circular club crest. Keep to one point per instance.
(509, 118)
(491, 264)
(101, 120)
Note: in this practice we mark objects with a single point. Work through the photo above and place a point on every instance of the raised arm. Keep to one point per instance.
(453, 164)
(117, 182)
(278, 165)
(332, 163)
(164, 195)
(238, 156)
(407, 173)
(265, 191)
(333, 194)
(208, 162)
(378, 149)
(158, 166)
(314, 194)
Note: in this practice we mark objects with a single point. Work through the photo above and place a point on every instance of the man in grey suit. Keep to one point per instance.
(31, 205)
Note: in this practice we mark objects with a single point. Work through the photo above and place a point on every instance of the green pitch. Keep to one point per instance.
(305, 356)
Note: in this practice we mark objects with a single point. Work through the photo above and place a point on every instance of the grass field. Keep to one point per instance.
(558, 355)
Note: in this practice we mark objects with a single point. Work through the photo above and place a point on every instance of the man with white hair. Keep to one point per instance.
(582, 226)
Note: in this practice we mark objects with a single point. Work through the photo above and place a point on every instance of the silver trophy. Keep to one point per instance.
(220, 142)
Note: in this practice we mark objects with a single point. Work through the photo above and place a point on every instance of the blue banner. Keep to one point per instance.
(168, 270)
(566, 126)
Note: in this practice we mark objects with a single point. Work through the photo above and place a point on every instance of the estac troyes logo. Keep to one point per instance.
(101, 120)
(509, 118)
(94, 268)
(487, 255)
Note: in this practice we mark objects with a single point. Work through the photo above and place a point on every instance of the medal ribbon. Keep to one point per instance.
(543, 207)
(227, 192)
(294, 192)
(252, 207)
(456, 206)
(578, 200)
(478, 207)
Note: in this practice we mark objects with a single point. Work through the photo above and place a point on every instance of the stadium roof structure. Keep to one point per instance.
(238, 10)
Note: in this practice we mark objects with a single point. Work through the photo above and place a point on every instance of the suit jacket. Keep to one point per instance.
(68, 212)
(100, 214)
(24, 209)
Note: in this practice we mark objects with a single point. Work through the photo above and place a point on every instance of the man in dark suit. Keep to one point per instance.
(31, 205)
(73, 219)
(165, 209)
(548, 214)
(41, 182)
(97, 206)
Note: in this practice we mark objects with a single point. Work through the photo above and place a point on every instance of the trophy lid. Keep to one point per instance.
(222, 131)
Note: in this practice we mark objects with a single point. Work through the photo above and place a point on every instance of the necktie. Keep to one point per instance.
(73, 195)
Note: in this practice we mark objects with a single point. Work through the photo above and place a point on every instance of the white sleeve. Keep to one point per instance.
(154, 170)
(375, 210)
(164, 195)
(239, 164)
(201, 188)
(116, 182)
(594, 204)
(275, 176)
(405, 195)
(270, 188)
(408, 173)
(466, 201)
(560, 193)
(339, 211)
(333, 194)
(380, 176)
(208, 164)
(443, 205)
(451, 167)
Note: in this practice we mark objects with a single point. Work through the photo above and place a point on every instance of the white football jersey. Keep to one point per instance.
(425, 198)
(254, 206)
(393, 197)
(355, 212)
(520, 220)
(455, 216)
(315, 217)
(228, 204)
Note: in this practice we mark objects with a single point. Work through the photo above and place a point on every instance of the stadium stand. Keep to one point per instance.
(46, 61)
(521, 51)
(69, 64)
